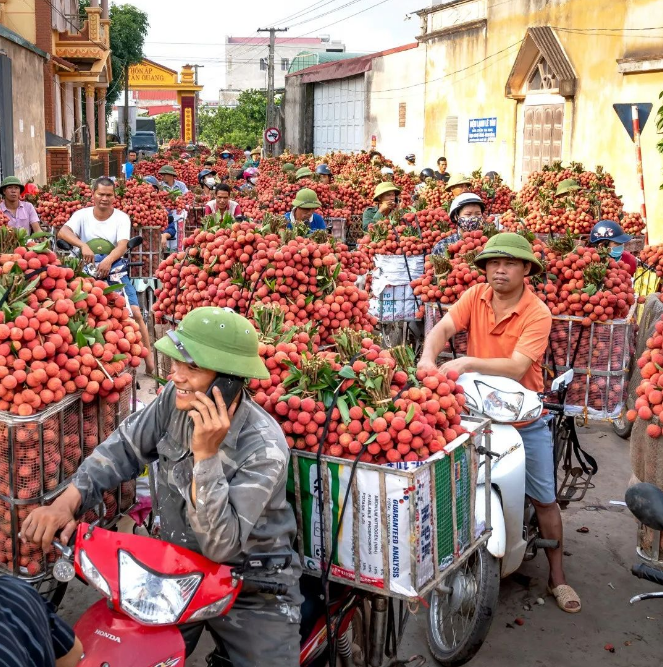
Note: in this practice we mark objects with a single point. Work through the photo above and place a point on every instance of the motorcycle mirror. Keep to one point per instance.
(63, 245)
(646, 503)
(562, 381)
(134, 242)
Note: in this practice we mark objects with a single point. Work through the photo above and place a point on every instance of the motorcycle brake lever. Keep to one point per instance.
(486, 452)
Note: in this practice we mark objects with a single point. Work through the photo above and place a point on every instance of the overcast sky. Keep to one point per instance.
(190, 31)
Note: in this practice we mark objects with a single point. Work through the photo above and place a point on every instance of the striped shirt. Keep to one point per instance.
(31, 634)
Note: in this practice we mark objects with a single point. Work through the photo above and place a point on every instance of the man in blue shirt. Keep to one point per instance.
(169, 180)
(303, 210)
(128, 166)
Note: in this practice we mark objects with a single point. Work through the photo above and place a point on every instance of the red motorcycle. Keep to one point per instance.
(151, 587)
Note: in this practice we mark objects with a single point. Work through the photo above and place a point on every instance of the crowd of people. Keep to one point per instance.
(225, 516)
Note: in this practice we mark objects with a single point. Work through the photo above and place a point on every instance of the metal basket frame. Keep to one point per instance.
(480, 432)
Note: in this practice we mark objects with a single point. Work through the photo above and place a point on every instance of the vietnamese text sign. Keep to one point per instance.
(482, 130)
(149, 74)
(188, 124)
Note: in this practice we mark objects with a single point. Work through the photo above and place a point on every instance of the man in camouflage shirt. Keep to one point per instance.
(221, 483)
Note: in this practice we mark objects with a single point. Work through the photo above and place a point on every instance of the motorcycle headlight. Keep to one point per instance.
(93, 575)
(152, 598)
(502, 406)
(211, 610)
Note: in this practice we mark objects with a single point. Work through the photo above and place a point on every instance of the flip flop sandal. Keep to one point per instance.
(564, 594)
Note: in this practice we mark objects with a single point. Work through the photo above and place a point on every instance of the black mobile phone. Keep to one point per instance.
(229, 385)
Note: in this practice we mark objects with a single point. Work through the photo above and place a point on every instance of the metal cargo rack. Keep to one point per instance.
(70, 430)
(148, 254)
(455, 535)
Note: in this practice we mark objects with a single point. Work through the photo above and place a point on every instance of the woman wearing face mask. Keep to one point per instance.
(466, 212)
(250, 178)
(608, 234)
(207, 180)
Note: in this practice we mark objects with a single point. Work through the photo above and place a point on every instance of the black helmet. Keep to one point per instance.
(323, 170)
(607, 230)
(204, 173)
(152, 181)
(426, 173)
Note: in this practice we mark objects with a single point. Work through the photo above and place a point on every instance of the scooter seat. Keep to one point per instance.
(646, 502)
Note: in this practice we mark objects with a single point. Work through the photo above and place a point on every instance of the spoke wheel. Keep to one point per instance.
(462, 609)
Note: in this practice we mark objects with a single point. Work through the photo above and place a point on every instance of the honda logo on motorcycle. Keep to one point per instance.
(107, 635)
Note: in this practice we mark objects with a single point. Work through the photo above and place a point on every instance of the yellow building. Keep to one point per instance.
(512, 85)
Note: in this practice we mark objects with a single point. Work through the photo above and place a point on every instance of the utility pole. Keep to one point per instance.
(126, 107)
(195, 118)
(271, 110)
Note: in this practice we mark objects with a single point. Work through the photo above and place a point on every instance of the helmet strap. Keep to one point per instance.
(180, 348)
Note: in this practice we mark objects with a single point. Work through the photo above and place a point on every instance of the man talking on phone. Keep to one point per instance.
(221, 482)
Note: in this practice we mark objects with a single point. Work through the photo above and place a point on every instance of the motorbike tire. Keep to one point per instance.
(622, 427)
(482, 566)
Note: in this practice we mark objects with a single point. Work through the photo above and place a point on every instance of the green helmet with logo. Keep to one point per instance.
(217, 339)
(306, 198)
(101, 246)
(303, 172)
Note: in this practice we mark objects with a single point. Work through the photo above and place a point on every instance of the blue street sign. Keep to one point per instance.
(482, 130)
(624, 113)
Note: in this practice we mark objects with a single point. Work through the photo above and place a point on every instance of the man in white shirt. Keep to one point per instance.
(102, 221)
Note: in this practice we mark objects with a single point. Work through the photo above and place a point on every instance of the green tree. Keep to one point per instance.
(168, 126)
(241, 126)
(128, 30)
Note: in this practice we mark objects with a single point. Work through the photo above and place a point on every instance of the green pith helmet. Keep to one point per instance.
(303, 172)
(382, 188)
(508, 244)
(458, 179)
(306, 198)
(210, 160)
(217, 339)
(101, 246)
(565, 186)
(11, 180)
(288, 167)
(167, 169)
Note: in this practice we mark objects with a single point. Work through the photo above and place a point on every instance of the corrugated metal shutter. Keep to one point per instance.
(542, 136)
(338, 115)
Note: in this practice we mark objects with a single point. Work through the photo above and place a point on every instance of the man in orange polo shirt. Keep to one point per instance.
(508, 329)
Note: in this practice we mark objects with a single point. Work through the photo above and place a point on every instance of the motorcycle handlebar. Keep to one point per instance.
(268, 587)
(642, 571)
(555, 407)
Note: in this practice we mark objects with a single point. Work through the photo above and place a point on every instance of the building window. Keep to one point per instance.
(542, 78)
(285, 64)
(263, 64)
(401, 114)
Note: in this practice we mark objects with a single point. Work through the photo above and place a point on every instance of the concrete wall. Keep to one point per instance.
(468, 67)
(388, 84)
(298, 113)
(28, 109)
(19, 16)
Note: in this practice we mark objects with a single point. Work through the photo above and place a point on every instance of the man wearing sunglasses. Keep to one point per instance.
(221, 481)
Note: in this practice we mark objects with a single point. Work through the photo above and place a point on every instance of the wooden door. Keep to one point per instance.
(542, 136)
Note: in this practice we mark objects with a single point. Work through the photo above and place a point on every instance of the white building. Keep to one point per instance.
(247, 60)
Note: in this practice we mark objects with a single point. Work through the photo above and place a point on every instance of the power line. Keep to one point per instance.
(331, 11)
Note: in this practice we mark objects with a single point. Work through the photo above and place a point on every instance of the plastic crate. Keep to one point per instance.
(194, 220)
(402, 528)
(149, 253)
(38, 456)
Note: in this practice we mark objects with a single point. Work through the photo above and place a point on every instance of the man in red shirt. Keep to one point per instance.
(508, 329)
(608, 234)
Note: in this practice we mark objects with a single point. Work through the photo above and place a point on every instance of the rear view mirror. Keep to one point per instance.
(562, 381)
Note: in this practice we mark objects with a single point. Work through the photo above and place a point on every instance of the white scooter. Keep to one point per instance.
(462, 608)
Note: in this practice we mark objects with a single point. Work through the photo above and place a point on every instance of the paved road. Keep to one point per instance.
(599, 568)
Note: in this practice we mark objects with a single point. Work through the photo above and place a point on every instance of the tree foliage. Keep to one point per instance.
(242, 125)
(168, 126)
